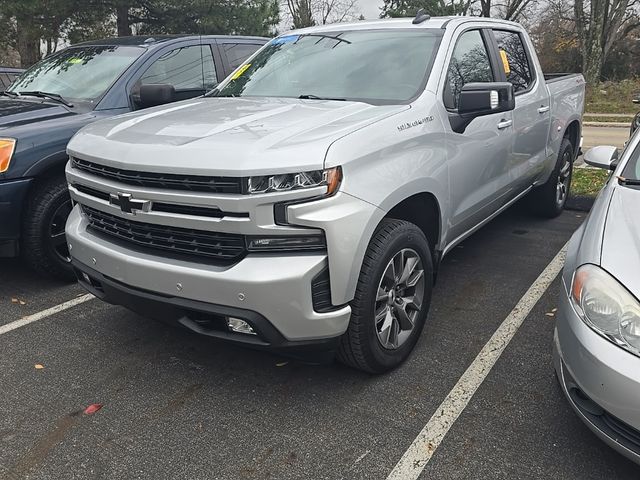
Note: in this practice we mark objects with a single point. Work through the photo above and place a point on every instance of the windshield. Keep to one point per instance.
(632, 169)
(78, 73)
(375, 66)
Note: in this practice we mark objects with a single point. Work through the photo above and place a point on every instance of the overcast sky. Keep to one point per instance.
(370, 8)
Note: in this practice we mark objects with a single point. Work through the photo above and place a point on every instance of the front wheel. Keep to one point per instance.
(392, 299)
(44, 245)
(548, 200)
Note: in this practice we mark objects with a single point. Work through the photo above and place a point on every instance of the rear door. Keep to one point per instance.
(531, 116)
(479, 159)
(235, 52)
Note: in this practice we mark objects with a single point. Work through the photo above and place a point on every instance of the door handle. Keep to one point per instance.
(543, 109)
(504, 124)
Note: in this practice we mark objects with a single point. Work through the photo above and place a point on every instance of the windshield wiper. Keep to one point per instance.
(7, 93)
(629, 181)
(51, 96)
(316, 97)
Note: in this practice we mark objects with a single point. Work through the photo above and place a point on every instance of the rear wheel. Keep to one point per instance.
(44, 245)
(392, 299)
(549, 199)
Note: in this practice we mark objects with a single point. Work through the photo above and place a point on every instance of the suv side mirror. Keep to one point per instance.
(153, 94)
(604, 156)
(480, 99)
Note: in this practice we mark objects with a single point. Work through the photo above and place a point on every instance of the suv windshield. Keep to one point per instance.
(78, 73)
(375, 66)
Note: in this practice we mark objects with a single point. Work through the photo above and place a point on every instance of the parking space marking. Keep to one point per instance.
(424, 446)
(44, 313)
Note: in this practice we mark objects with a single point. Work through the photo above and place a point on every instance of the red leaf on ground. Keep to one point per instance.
(93, 408)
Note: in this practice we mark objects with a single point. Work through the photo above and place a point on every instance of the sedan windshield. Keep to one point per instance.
(375, 66)
(632, 171)
(78, 73)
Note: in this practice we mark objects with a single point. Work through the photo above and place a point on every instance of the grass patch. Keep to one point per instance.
(587, 182)
(612, 97)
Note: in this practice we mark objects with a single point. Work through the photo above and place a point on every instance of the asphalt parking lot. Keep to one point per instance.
(179, 406)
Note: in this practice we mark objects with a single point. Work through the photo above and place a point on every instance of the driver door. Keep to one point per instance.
(190, 69)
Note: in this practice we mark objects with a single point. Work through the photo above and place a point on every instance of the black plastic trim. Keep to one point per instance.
(178, 310)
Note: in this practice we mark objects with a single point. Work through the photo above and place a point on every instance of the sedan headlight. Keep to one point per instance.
(7, 146)
(607, 306)
(293, 181)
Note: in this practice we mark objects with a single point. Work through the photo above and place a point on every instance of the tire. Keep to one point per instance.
(549, 199)
(44, 246)
(363, 345)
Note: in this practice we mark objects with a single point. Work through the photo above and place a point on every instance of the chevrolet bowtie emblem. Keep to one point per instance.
(128, 204)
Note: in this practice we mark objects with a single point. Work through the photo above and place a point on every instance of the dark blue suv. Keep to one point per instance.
(52, 100)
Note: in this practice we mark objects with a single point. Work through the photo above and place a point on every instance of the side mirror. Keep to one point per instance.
(480, 99)
(153, 94)
(604, 156)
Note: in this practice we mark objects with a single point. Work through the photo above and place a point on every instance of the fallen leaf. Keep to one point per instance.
(39, 366)
(22, 302)
(549, 314)
(93, 408)
(281, 364)
(14, 300)
(554, 310)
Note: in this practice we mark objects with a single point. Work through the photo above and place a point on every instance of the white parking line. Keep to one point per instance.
(423, 447)
(44, 314)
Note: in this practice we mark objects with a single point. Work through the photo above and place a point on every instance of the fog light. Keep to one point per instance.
(239, 326)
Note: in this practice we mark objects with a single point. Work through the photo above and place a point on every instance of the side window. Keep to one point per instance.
(239, 52)
(469, 63)
(515, 60)
(184, 68)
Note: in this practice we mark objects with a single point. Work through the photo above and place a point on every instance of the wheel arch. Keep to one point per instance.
(572, 132)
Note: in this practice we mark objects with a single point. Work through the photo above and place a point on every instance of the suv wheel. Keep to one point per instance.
(549, 199)
(44, 245)
(392, 299)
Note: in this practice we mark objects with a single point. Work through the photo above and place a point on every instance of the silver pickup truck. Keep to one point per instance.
(304, 205)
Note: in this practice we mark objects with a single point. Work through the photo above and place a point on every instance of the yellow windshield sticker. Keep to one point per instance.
(240, 71)
(74, 60)
(505, 62)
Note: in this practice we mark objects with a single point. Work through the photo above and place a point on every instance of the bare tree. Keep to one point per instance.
(600, 24)
(506, 9)
(306, 13)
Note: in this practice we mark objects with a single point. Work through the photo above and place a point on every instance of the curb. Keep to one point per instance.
(579, 203)
(607, 124)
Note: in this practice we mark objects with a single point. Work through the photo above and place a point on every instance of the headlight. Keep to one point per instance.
(607, 306)
(7, 146)
(293, 181)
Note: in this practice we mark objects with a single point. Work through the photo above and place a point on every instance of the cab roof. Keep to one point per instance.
(433, 22)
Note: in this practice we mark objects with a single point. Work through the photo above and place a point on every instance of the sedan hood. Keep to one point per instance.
(621, 241)
(226, 136)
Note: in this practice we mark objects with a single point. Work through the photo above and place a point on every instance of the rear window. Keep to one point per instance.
(239, 52)
(515, 60)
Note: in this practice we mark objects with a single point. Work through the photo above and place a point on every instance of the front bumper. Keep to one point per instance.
(276, 289)
(12, 194)
(600, 380)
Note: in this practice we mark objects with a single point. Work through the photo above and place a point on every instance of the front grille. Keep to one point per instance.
(169, 181)
(222, 248)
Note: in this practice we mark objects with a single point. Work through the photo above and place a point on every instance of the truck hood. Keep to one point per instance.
(621, 240)
(226, 136)
(18, 112)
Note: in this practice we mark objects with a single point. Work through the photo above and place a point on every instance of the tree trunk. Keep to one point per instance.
(27, 43)
(122, 20)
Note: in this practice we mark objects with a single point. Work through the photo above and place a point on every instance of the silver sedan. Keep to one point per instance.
(597, 337)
